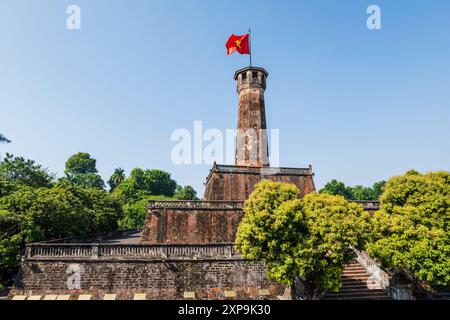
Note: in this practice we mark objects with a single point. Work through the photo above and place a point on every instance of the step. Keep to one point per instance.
(355, 265)
(354, 271)
(355, 276)
(355, 282)
(366, 297)
(361, 298)
(358, 288)
(357, 279)
(357, 294)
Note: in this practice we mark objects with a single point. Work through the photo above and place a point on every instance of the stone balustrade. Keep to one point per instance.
(397, 290)
(262, 170)
(369, 205)
(43, 251)
(196, 205)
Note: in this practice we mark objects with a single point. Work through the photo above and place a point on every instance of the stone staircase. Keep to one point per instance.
(357, 285)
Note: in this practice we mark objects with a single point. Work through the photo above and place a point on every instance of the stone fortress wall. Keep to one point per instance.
(186, 248)
(208, 271)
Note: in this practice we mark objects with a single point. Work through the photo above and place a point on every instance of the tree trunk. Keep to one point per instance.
(309, 289)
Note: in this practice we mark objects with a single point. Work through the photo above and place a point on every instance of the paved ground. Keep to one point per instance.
(131, 238)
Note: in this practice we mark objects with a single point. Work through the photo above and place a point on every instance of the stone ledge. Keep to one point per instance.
(141, 252)
(196, 205)
(369, 205)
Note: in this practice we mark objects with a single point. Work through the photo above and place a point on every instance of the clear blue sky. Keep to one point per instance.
(358, 105)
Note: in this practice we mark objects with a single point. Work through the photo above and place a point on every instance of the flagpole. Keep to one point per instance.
(250, 43)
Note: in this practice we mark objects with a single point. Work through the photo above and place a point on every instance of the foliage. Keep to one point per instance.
(134, 215)
(185, 193)
(377, 190)
(80, 163)
(305, 241)
(116, 178)
(7, 187)
(337, 188)
(20, 171)
(413, 226)
(34, 208)
(36, 214)
(143, 183)
(85, 180)
(358, 192)
(81, 170)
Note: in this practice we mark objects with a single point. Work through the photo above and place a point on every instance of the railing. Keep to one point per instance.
(263, 170)
(397, 290)
(205, 205)
(144, 252)
(381, 277)
(369, 205)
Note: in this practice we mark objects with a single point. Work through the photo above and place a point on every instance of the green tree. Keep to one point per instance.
(143, 183)
(86, 180)
(358, 192)
(338, 188)
(7, 187)
(37, 214)
(362, 193)
(160, 183)
(116, 178)
(81, 170)
(412, 226)
(80, 163)
(185, 193)
(24, 172)
(304, 243)
(3, 139)
(134, 213)
(377, 189)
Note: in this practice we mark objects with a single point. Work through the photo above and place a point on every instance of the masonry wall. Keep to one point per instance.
(238, 186)
(191, 225)
(209, 279)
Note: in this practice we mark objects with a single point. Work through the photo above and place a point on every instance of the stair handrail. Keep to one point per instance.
(373, 267)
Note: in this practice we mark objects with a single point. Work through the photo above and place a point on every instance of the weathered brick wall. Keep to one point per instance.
(209, 279)
(237, 186)
(191, 225)
(200, 221)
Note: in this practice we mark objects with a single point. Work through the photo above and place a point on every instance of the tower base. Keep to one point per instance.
(236, 183)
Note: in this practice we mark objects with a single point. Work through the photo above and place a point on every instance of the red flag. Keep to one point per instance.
(239, 44)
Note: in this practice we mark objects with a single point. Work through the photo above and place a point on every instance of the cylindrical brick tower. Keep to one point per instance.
(251, 143)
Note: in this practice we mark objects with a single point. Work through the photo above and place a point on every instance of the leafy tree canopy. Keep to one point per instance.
(86, 180)
(136, 212)
(20, 171)
(337, 188)
(305, 241)
(116, 178)
(143, 183)
(80, 163)
(81, 170)
(185, 193)
(413, 226)
(358, 192)
(36, 214)
(7, 187)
